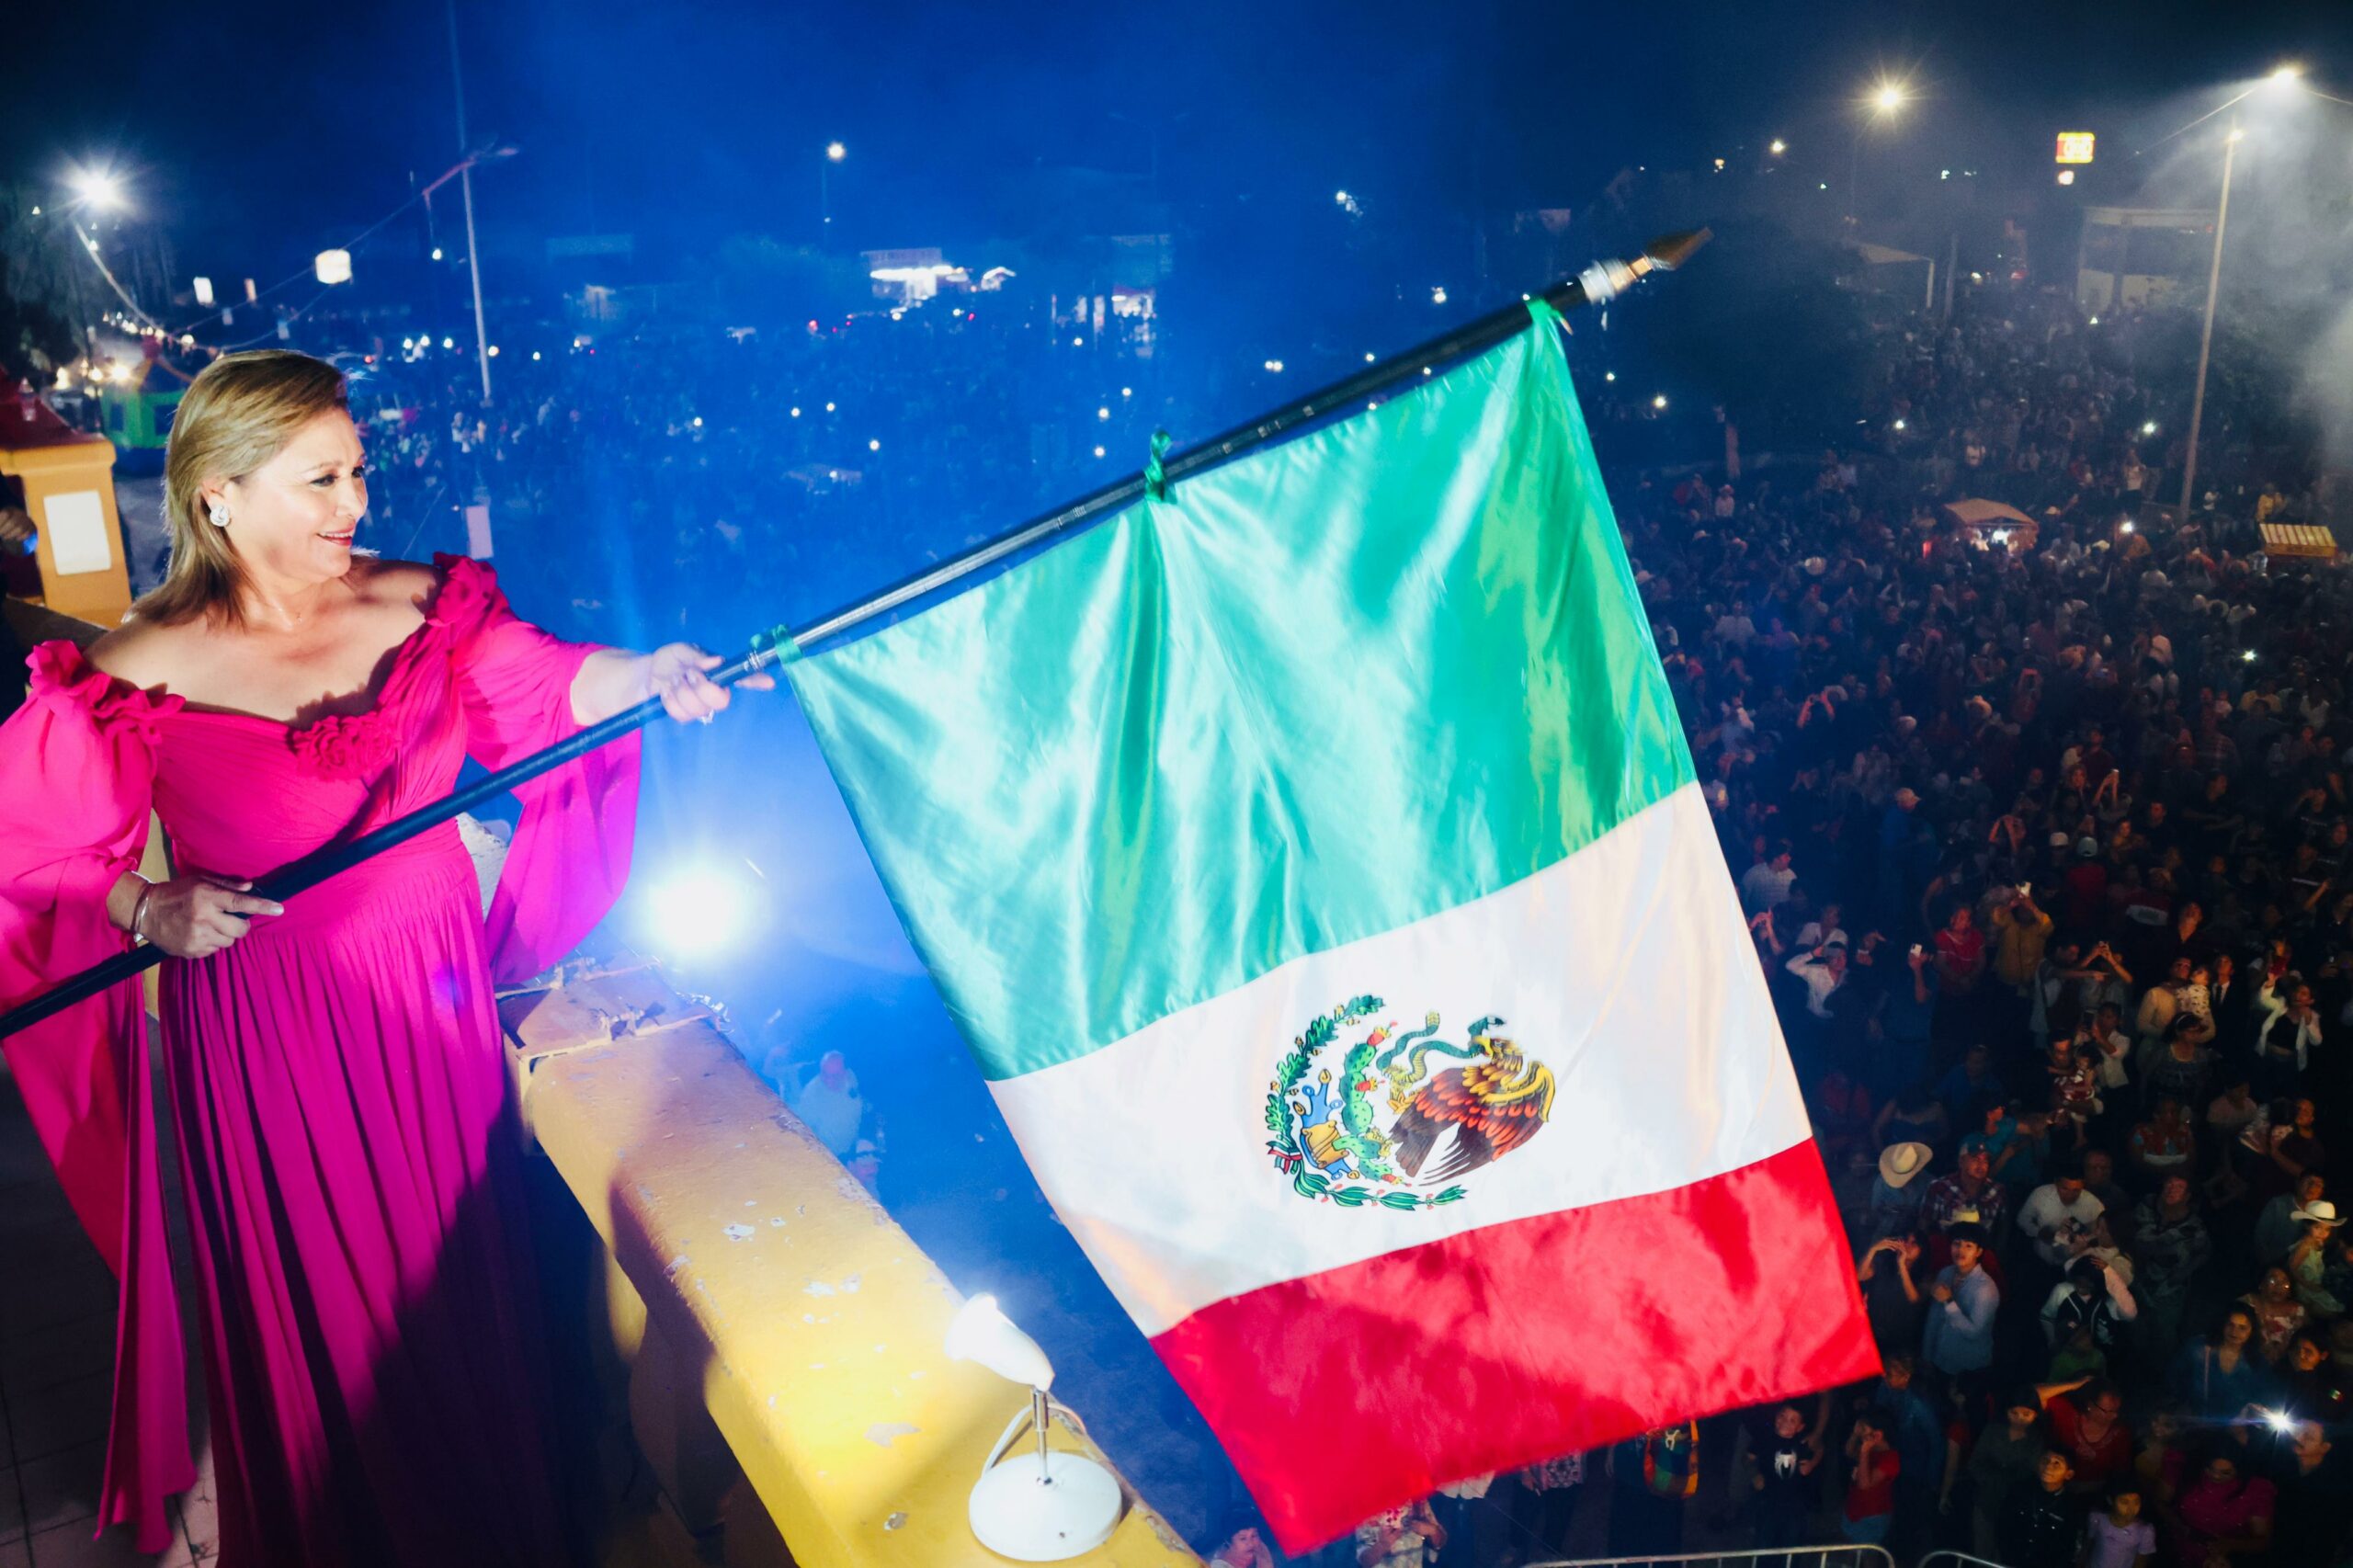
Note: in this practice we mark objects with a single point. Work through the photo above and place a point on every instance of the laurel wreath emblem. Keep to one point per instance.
(1285, 1117)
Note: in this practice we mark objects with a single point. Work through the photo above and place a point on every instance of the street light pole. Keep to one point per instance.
(2206, 333)
(834, 153)
(1884, 100)
(466, 189)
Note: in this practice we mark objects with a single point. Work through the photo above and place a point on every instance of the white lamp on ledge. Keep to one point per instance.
(1033, 1507)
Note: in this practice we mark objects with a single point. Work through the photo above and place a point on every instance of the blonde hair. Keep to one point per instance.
(239, 413)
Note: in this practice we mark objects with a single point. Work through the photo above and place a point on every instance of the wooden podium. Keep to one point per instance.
(69, 491)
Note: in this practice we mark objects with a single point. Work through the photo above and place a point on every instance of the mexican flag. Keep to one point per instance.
(1315, 865)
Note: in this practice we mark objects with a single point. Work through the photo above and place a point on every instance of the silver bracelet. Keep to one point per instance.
(139, 912)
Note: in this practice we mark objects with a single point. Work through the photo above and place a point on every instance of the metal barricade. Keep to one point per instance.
(1845, 1554)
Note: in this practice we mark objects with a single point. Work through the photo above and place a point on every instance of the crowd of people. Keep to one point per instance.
(2043, 841)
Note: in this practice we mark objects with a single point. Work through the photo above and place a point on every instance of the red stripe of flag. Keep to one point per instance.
(1343, 1394)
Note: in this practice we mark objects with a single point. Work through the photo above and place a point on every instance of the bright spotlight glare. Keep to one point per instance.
(98, 188)
(701, 912)
(2149, 428)
(1659, 402)
(836, 152)
(2248, 656)
(1780, 146)
(1889, 97)
(2286, 74)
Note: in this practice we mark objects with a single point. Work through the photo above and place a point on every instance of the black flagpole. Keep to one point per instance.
(1596, 285)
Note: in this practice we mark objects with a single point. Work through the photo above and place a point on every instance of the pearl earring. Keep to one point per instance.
(220, 515)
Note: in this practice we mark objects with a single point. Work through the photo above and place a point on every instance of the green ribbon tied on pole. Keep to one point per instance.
(1155, 478)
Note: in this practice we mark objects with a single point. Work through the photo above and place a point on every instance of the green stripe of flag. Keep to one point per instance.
(1323, 692)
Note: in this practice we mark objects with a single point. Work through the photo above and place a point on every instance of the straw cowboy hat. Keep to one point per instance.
(1899, 1163)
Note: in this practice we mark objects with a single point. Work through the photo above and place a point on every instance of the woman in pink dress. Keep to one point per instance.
(335, 1069)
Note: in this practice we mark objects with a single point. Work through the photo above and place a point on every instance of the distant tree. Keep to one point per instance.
(37, 303)
(759, 280)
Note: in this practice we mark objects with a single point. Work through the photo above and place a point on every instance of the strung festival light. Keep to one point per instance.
(535, 355)
(796, 411)
(1127, 392)
(1275, 365)
(1438, 295)
(1899, 425)
(2149, 428)
(1659, 402)
(1609, 375)
(829, 408)
(1102, 413)
(1369, 359)
(873, 446)
(1098, 451)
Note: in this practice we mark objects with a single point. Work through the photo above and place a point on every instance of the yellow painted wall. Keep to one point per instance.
(807, 1321)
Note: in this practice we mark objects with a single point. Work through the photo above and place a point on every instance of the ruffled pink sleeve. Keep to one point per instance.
(569, 858)
(77, 771)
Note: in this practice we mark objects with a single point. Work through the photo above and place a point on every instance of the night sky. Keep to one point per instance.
(262, 126)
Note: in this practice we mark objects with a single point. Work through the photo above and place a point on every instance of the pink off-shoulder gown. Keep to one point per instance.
(336, 1079)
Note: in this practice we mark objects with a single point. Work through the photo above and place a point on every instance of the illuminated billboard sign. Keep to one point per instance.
(2074, 147)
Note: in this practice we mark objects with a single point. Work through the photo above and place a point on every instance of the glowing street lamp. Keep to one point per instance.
(98, 189)
(1779, 147)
